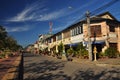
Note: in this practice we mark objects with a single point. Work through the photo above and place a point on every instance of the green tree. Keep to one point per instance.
(60, 48)
(3, 36)
(8, 42)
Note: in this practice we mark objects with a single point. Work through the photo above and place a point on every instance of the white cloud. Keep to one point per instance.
(52, 15)
(37, 12)
(17, 29)
(31, 12)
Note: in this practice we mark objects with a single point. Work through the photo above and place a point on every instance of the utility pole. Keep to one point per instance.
(89, 36)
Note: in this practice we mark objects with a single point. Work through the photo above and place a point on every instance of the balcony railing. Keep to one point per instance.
(112, 37)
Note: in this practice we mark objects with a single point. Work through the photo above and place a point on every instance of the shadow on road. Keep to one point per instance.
(54, 70)
(30, 55)
(46, 70)
(91, 75)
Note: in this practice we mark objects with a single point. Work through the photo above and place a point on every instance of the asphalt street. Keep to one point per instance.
(37, 67)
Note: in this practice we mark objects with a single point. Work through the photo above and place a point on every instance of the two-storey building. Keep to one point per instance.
(104, 29)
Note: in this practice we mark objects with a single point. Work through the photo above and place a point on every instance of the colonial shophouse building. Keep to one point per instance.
(105, 32)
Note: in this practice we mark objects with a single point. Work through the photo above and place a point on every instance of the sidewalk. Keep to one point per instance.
(100, 62)
(7, 64)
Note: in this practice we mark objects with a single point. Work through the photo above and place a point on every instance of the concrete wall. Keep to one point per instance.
(118, 39)
(77, 38)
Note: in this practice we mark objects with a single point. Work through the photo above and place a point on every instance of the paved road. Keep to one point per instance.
(38, 67)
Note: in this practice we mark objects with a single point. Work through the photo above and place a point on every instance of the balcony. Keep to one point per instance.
(112, 37)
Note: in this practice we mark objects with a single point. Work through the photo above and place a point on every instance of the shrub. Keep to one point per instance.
(2, 55)
(70, 51)
(61, 47)
(101, 55)
(81, 50)
(111, 52)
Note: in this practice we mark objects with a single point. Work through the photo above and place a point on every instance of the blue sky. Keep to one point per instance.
(26, 19)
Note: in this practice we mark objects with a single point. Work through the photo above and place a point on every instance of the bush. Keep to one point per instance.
(111, 52)
(2, 55)
(85, 53)
(82, 52)
(70, 51)
(60, 47)
(101, 55)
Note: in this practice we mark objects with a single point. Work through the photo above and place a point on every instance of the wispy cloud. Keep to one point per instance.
(52, 15)
(37, 12)
(30, 12)
(17, 29)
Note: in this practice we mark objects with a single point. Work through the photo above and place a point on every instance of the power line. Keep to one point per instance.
(103, 7)
(92, 13)
(88, 23)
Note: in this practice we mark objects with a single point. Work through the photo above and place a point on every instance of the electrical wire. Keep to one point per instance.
(103, 7)
(93, 13)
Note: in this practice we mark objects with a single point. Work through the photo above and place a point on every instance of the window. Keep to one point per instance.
(80, 29)
(49, 40)
(112, 28)
(66, 34)
(96, 31)
(113, 45)
(74, 31)
(54, 38)
(71, 32)
(77, 30)
(59, 37)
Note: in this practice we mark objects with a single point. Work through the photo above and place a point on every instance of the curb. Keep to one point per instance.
(96, 63)
(12, 73)
(104, 65)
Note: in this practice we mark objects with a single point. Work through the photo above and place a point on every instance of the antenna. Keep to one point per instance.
(50, 24)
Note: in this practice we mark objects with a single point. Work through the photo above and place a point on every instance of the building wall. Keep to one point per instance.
(107, 16)
(106, 35)
(67, 38)
(79, 33)
(103, 36)
(77, 38)
(118, 38)
(104, 31)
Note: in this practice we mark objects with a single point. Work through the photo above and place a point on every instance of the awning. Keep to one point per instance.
(95, 42)
(73, 44)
